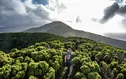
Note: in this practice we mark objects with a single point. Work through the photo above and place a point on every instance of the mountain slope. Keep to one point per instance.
(62, 29)
(121, 36)
(56, 27)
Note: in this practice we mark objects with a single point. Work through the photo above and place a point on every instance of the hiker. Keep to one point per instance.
(115, 72)
(68, 59)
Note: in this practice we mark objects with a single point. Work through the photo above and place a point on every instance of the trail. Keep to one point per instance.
(68, 75)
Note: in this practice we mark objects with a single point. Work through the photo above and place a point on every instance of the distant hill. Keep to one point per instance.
(121, 36)
(62, 29)
(56, 27)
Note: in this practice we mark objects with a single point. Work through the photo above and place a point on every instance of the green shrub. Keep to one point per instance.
(120, 76)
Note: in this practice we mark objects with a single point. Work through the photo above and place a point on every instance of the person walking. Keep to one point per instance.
(68, 60)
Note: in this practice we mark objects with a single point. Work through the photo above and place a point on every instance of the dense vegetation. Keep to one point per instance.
(9, 41)
(45, 60)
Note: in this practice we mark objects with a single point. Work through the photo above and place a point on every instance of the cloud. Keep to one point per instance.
(114, 9)
(12, 5)
(90, 13)
(124, 23)
(109, 12)
(122, 10)
(16, 15)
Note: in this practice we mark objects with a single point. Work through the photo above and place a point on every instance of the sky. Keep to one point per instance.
(43, 2)
(18, 15)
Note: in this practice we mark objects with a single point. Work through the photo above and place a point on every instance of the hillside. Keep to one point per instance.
(56, 27)
(59, 28)
(122, 36)
(43, 58)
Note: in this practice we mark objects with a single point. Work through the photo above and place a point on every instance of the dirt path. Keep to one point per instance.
(67, 75)
(71, 69)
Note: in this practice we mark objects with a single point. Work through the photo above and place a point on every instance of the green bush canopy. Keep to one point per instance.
(42, 57)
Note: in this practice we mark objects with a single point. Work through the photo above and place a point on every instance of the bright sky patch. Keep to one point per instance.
(43, 2)
(119, 1)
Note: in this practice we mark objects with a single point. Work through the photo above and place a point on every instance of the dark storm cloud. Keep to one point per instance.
(19, 15)
(16, 16)
(122, 10)
(109, 12)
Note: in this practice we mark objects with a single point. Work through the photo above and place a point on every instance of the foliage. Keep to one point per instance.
(120, 76)
(41, 56)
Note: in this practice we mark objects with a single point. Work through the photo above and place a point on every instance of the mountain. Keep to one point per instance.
(121, 36)
(62, 29)
(56, 27)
